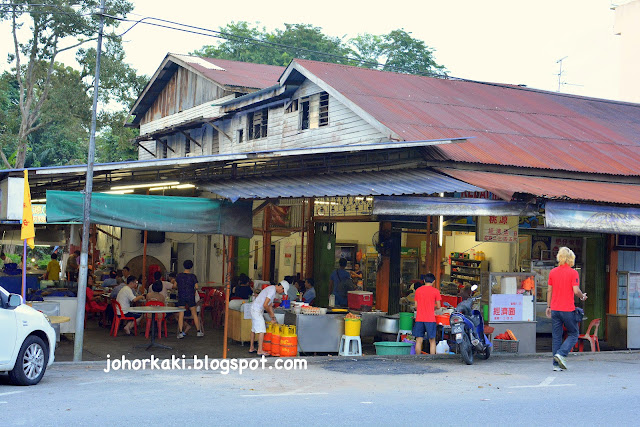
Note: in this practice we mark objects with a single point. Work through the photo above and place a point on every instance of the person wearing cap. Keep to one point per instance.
(264, 301)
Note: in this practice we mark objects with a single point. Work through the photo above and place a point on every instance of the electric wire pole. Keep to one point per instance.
(82, 277)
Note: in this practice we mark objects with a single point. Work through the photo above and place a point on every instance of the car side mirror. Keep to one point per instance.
(15, 300)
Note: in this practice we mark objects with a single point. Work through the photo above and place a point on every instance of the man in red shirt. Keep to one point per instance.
(427, 299)
(564, 283)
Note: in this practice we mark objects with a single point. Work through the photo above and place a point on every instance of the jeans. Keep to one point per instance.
(568, 319)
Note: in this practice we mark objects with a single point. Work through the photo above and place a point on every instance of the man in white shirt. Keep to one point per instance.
(125, 298)
(264, 301)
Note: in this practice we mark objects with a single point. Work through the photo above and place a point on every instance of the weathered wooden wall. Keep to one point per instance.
(185, 90)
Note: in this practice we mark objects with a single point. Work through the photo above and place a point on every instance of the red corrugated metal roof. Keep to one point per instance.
(510, 125)
(504, 185)
(235, 73)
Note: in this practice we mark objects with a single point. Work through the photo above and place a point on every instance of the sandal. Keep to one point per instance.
(253, 351)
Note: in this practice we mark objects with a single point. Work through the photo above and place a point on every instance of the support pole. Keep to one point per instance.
(86, 211)
(266, 244)
(304, 223)
(24, 270)
(227, 282)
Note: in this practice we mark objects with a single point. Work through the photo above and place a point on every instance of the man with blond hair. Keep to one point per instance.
(564, 284)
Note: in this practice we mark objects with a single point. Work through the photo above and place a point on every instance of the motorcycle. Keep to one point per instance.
(467, 326)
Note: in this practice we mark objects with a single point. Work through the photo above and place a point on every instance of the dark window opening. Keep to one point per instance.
(257, 124)
(240, 135)
(323, 118)
(304, 115)
(164, 150)
(292, 107)
(187, 147)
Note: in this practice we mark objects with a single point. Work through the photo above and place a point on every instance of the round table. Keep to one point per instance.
(59, 319)
(153, 309)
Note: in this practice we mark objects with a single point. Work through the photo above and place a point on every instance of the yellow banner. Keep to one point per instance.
(27, 232)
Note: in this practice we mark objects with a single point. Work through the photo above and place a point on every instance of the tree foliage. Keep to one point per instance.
(51, 99)
(395, 51)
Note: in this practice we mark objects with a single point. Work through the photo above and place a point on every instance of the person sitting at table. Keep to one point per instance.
(53, 269)
(243, 290)
(111, 280)
(166, 286)
(310, 292)
(155, 292)
(125, 298)
(95, 303)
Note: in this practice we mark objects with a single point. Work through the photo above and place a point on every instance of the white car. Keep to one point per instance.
(27, 340)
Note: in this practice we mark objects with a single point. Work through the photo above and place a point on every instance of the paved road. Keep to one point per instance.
(597, 389)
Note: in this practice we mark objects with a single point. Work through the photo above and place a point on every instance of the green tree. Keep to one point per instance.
(251, 43)
(407, 54)
(396, 51)
(59, 26)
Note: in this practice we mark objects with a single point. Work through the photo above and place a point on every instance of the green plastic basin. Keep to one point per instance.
(386, 348)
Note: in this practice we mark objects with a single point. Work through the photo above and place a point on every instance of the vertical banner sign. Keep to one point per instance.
(27, 232)
(500, 229)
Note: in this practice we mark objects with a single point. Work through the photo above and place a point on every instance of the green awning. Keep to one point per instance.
(157, 213)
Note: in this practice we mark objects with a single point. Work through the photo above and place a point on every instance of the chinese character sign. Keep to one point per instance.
(499, 228)
(505, 308)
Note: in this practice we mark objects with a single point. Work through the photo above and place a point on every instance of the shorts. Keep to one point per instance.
(258, 324)
(186, 301)
(134, 315)
(422, 328)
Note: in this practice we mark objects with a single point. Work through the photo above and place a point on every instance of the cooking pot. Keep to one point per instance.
(388, 324)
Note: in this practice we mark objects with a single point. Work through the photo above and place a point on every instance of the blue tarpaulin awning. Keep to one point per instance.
(157, 213)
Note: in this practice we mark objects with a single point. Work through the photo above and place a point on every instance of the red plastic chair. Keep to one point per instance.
(118, 315)
(591, 335)
(160, 319)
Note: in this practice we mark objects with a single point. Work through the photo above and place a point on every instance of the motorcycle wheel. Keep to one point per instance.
(486, 353)
(466, 349)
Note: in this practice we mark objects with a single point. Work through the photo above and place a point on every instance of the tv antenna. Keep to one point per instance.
(559, 61)
(560, 82)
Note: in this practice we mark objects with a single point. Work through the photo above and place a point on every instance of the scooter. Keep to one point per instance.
(467, 326)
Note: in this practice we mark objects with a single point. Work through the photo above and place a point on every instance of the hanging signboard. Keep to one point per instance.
(499, 228)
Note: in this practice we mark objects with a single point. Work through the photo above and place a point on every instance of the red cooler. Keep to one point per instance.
(357, 299)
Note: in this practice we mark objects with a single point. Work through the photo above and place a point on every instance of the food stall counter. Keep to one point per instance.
(317, 333)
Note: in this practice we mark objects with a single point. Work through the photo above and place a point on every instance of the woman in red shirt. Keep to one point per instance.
(564, 283)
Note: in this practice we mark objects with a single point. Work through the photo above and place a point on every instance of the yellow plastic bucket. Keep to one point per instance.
(352, 327)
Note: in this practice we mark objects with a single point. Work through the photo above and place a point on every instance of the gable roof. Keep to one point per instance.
(230, 75)
(511, 125)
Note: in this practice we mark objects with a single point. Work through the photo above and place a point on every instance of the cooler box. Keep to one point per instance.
(357, 299)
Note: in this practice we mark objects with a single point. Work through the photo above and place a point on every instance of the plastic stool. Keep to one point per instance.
(403, 332)
(345, 348)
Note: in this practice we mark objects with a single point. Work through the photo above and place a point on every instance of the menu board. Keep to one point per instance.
(506, 307)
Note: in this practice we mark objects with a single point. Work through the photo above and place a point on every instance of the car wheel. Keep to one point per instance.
(31, 362)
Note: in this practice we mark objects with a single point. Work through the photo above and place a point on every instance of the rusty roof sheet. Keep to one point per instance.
(511, 125)
(505, 185)
(235, 73)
